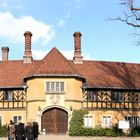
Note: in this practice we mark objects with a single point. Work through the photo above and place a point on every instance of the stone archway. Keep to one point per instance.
(54, 120)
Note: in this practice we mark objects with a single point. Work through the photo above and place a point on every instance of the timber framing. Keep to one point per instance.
(107, 99)
(16, 99)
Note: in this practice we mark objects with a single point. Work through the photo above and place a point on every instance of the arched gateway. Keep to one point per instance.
(54, 120)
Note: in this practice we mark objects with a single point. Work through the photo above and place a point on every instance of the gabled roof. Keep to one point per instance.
(54, 63)
(98, 74)
(13, 73)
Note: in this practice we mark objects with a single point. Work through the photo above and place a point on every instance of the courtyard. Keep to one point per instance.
(66, 137)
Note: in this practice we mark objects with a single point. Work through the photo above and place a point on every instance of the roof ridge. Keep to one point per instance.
(67, 65)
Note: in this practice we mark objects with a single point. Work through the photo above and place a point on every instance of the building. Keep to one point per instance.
(48, 90)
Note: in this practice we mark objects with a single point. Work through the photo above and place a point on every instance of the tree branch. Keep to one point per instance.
(132, 17)
(127, 21)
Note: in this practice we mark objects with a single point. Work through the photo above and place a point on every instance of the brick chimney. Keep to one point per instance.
(27, 52)
(5, 51)
(78, 58)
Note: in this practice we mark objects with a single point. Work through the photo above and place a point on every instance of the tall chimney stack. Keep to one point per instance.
(5, 51)
(27, 53)
(78, 58)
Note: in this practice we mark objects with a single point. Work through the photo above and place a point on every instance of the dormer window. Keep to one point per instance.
(55, 87)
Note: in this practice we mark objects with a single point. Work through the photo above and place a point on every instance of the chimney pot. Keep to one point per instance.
(78, 58)
(27, 53)
(5, 51)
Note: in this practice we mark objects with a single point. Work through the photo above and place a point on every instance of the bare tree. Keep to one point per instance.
(132, 15)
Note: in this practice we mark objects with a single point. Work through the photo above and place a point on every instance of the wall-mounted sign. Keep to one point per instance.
(124, 124)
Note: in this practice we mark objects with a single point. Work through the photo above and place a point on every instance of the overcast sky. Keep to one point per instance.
(53, 22)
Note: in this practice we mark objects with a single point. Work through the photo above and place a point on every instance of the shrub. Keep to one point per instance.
(110, 132)
(92, 132)
(77, 121)
(3, 130)
(97, 132)
(135, 132)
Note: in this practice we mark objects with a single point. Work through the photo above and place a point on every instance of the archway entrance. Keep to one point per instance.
(54, 120)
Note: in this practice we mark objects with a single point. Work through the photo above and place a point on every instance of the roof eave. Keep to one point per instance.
(112, 88)
(14, 87)
(54, 75)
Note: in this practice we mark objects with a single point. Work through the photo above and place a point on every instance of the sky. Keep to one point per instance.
(53, 22)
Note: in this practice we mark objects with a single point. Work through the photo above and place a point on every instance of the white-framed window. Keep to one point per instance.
(88, 121)
(8, 96)
(55, 87)
(17, 119)
(107, 121)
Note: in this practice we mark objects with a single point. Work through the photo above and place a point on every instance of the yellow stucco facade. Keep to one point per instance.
(39, 100)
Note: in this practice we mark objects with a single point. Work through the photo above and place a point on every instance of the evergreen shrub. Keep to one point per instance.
(3, 130)
(135, 132)
(77, 121)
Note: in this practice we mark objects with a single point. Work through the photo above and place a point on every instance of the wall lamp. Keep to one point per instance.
(71, 108)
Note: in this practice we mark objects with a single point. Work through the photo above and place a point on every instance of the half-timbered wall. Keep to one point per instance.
(111, 100)
(12, 99)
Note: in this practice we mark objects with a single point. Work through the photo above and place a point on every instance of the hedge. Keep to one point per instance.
(135, 132)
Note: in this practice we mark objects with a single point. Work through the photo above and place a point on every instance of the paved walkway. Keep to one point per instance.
(66, 137)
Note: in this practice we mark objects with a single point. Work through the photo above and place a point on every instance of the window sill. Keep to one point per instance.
(54, 92)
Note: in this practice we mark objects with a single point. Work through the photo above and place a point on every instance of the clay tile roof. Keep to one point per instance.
(110, 74)
(54, 63)
(98, 74)
(12, 73)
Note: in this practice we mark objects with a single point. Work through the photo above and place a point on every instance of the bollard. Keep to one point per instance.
(44, 132)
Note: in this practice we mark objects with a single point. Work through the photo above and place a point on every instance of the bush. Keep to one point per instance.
(97, 132)
(110, 132)
(92, 132)
(3, 131)
(135, 132)
(77, 121)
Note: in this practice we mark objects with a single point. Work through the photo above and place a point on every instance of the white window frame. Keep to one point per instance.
(55, 86)
(105, 121)
(88, 121)
(17, 119)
